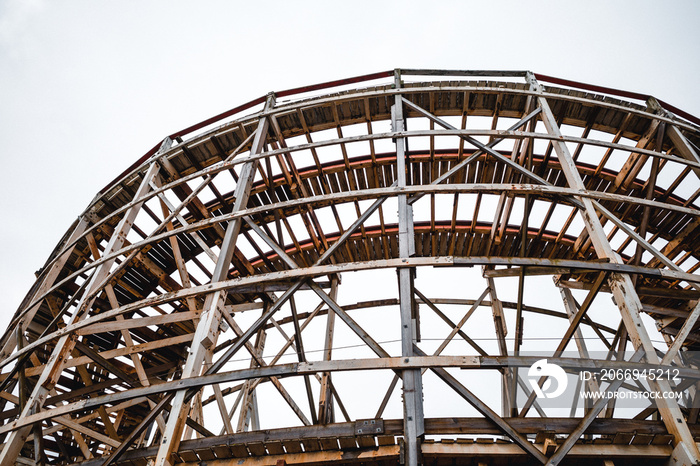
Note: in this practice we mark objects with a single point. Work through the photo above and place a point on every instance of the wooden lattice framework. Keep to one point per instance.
(195, 313)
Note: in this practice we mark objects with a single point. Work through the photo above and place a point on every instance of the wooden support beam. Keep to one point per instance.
(586, 421)
(680, 142)
(65, 344)
(258, 361)
(626, 297)
(179, 261)
(76, 427)
(208, 327)
(635, 161)
(518, 168)
(414, 429)
(681, 336)
(139, 323)
(126, 351)
(326, 412)
(574, 323)
(249, 402)
(509, 398)
(221, 403)
(476, 154)
(571, 309)
(301, 355)
(485, 410)
(456, 328)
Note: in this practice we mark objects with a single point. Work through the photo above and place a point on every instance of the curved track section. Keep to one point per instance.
(374, 275)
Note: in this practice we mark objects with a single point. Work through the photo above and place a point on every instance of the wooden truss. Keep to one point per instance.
(203, 309)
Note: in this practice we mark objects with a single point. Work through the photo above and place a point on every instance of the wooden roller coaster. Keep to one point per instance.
(367, 271)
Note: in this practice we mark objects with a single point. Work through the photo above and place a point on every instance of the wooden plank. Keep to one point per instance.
(366, 442)
(368, 457)
(623, 438)
(256, 448)
(347, 443)
(642, 439)
(413, 261)
(74, 426)
(188, 455)
(222, 451)
(662, 439)
(138, 323)
(470, 362)
(292, 446)
(329, 443)
(206, 454)
(275, 447)
(239, 450)
(311, 444)
(592, 451)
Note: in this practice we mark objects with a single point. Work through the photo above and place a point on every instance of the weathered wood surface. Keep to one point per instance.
(251, 215)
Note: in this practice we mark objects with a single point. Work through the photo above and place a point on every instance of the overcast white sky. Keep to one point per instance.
(88, 87)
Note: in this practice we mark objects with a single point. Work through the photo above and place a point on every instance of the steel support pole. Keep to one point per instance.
(207, 330)
(623, 290)
(412, 385)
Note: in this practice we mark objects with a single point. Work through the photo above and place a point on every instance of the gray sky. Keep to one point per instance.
(88, 87)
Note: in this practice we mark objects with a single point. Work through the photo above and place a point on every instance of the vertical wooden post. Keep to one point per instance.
(207, 330)
(508, 401)
(325, 402)
(571, 310)
(412, 386)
